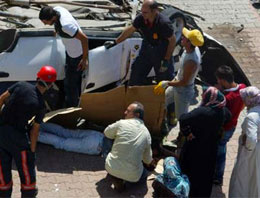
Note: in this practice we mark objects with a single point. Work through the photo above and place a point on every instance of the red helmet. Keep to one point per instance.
(47, 73)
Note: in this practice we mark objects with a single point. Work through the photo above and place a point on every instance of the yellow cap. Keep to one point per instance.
(194, 36)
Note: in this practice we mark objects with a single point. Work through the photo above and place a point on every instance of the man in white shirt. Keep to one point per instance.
(132, 145)
(76, 45)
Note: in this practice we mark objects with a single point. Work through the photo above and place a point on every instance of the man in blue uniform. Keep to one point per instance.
(21, 103)
(157, 46)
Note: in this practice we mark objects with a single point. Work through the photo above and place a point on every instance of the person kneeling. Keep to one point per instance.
(131, 146)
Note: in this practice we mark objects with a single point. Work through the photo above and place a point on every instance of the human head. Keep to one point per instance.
(149, 9)
(135, 110)
(48, 15)
(224, 75)
(46, 76)
(192, 38)
(250, 96)
(212, 97)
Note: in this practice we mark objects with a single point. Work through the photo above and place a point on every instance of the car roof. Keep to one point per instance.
(90, 16)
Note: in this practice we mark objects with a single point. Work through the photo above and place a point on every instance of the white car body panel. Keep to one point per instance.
(110, 65)
(29, 54)
(105, 65)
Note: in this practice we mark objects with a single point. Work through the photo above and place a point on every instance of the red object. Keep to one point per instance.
(47, 73)
(234, 105)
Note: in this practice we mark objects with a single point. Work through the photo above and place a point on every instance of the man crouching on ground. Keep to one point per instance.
(132, 145)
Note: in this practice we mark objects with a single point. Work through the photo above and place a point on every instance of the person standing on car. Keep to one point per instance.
(157, 46)
(181, 89)
(22, 102)
(76, 45)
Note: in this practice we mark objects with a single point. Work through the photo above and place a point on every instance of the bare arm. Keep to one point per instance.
(189, 69)
(84, 43)
(3, 97)
(126, 34)
(170, 48)
(34, 133)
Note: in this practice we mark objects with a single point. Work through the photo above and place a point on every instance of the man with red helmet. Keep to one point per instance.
(22, 103)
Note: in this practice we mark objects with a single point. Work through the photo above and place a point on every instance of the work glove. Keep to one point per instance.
(160, 88)
(165, 64)
(109, 44)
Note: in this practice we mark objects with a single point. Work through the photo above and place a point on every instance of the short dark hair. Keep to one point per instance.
(47, 13)
(226, 73)
(139, 109)
(153, 5)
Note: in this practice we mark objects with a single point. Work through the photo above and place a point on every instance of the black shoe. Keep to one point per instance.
(164, 128)
(119, 184)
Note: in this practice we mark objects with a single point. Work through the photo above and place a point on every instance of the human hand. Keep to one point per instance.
(109, 44)
(219, 87)
(83, 64)
(154, 162)
(243, 139)
(160, 88)
(152, 165)
(165, 64)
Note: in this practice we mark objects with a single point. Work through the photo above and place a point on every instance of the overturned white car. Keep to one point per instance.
(23, 51)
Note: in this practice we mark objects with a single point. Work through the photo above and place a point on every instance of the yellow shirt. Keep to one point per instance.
(132, 145)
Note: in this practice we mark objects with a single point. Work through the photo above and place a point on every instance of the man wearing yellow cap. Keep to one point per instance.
(181, 89)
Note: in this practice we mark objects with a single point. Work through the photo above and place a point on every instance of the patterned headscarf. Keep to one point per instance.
(212, 97)
(250, 96)
(173, 179)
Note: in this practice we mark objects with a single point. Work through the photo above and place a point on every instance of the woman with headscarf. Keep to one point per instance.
(171, 183)
(245, 179)
(202, 127)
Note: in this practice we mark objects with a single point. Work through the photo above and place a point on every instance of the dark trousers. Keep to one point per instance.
(72, 81)
(14, 145)
(150, 57)
(221, 154)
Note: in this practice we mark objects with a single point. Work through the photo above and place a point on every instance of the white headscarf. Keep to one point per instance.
(250, 96)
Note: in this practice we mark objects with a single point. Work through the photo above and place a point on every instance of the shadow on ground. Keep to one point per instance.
(49, 159)
(105, 189)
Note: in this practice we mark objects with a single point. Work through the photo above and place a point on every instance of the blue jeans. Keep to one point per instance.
(80, 141)
(221, 154)
(72, 81)
(181, 97)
